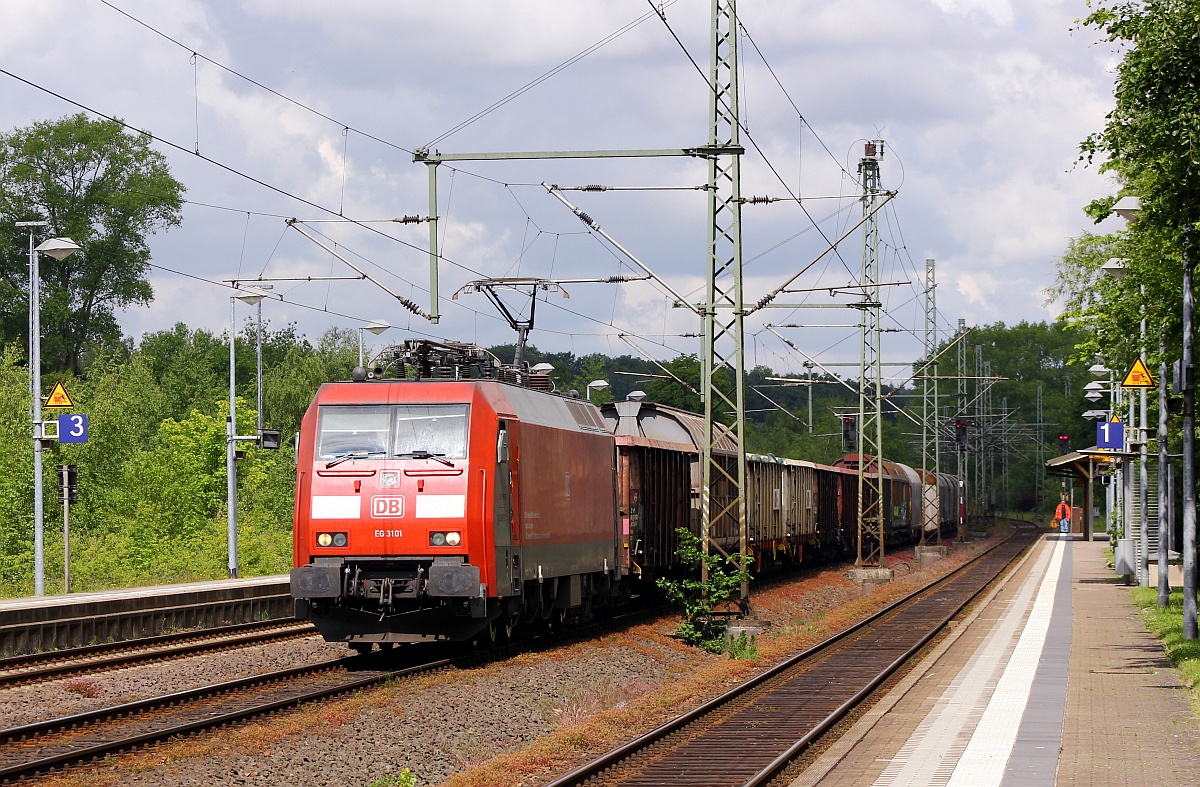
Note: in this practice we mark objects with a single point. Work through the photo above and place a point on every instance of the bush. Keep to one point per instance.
(707, 604)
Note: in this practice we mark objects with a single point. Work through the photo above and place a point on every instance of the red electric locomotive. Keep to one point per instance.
(463, 497)
(450, 505)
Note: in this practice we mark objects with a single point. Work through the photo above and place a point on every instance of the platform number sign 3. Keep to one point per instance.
(73, 428)
(1110, 435)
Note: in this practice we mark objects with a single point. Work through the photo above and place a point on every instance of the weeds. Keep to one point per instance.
(741, 647)
(84, 687)
(405, 778)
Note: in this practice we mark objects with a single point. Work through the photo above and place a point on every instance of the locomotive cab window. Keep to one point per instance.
(421, 430)
(357, 431)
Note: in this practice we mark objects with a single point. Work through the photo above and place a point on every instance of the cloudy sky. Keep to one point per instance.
(981, 105)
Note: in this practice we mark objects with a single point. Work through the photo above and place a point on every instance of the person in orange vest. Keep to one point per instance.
(1063, 515)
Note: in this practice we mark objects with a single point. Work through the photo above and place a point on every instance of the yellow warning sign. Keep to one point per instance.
(1138, 376)
(58, 397)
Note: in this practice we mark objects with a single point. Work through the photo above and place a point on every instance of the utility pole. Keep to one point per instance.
(988, 438)
(809, 366)
(977, 439)
(929, 412)
(1004, 459)
(723, 349)
(870, 378)
(1041, 450)
(963, 465)
(1189, 438)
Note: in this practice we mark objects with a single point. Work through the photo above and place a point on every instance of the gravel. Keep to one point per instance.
(437, 725)
(52, 699)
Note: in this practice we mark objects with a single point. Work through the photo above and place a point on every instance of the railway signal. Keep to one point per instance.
(68, 484)
(849, 433)
(1064, 443)
(960, 432)
(68, 494)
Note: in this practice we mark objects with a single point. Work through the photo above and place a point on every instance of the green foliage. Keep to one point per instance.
(741, 647)
(1166, 623)
(1151, 137)
(107, 190)
(706, 603)
(1151, 143)
(403, 779)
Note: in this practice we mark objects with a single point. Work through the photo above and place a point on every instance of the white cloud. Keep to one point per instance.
(982, 106)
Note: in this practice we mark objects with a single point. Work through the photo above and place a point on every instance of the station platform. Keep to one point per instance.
(1052, 680)
(36, 623)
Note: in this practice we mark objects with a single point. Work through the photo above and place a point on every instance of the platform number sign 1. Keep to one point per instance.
(73, 428)
(1110, 435)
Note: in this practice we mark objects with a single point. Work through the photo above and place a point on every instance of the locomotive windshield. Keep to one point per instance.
(352, 429)
(430, 429)
(406, 431)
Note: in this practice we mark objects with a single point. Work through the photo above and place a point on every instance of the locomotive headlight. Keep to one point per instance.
(324, 539)
(339, 539)
(453, 539)
(437, 539)
(387, 480)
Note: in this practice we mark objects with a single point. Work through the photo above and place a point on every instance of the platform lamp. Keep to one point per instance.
(1113, 499)
(251, 296)
(374, 326)
(1129, 208)
(595, 385)
(1115, 268)
(59, 249)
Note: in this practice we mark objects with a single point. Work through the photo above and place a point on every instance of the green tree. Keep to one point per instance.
(1151, 138)
(107, 190)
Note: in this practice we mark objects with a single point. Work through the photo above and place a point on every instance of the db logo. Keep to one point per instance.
(387, 506)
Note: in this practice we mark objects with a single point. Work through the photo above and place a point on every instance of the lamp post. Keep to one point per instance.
(809, 366)
(597, 385)
(258, 351)
(1128, 208)
(1116, 268)
(1113, 497)
(252, 296)
(59, 249)
(374, 326)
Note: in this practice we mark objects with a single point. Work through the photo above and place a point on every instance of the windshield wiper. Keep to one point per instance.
(337, 460)
(419, 454)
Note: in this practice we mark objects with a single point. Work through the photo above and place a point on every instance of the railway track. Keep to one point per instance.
(748, 736)
(37, 749)
(48, 665)
(34, 750)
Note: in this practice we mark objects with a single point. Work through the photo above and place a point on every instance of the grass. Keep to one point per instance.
(1166, 623)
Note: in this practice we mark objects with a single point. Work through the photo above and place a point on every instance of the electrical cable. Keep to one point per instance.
(545, 76)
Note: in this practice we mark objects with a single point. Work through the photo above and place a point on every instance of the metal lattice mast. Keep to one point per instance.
(929, 410)
(978, 442)
(870, 424)
(723, 496)
(1004, 457)
(1041, 450)
(988, 443)
(961, 404)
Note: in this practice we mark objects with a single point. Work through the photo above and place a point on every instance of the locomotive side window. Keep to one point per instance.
(430, 429)
(352, 429)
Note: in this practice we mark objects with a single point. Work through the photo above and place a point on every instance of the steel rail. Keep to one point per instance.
(614, 757)
(31, 733)
(57, 761)
(30, 668)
